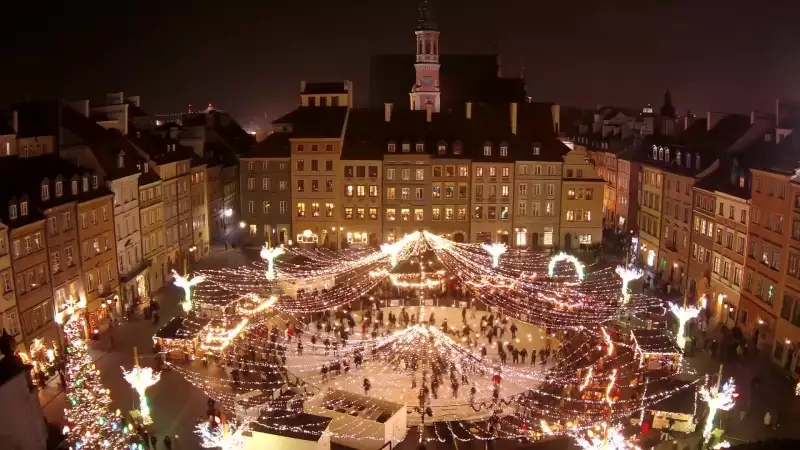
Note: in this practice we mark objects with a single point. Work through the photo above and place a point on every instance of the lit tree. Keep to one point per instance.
(90, 422)
(141, 378)
(269, 255)
(226, 436)
(717, 400)
(627, 276)
(186, 284)
(495, 250)
(684, 314)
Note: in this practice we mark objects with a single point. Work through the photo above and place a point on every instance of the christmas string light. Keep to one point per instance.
(628, 274)
(565, 257)
(717, 399)
(141, 378)
(684, 314)
(186, 284)
(495, 250)
(269, 255)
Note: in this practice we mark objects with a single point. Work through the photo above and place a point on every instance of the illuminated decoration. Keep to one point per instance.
(651, 258)
(223, 435)
(717, 400)
(628, 275)
(141, 378)
(269, 255)
(186, 284)
(255, 304)
(551, 268)
(90, 422)
(393, 250)
(797, 389)
(587, 379)
(723, 444)
(495, 250)
(684, 314)
(608, 340)
(612, 439)
(218, 337)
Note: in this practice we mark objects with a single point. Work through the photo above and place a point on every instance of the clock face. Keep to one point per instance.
(427, 81)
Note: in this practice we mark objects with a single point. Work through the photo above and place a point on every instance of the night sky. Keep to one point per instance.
(248, 57)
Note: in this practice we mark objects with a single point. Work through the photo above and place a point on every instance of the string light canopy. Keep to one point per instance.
(573, 311)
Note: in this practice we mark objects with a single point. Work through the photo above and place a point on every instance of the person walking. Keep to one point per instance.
(153, 441)
(167, 442)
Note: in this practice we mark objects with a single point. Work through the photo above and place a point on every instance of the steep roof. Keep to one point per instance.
(368, 133)
(22, 179)
(158, 148)
(37, 118)
(315, 122)
(325, 87)
(462, 78)
(276, 145)
(106, 144)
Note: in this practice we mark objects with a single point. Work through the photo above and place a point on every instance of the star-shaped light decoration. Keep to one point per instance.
(495, 250)
(141, 378)
(269, 255)
(186, 284)
(684, 314)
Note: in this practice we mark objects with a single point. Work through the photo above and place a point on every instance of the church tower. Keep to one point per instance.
(426, 83)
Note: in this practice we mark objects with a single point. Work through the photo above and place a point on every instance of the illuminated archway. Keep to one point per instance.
(565, 257)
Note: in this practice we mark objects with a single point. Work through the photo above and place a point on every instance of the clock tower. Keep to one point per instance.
(426, 83)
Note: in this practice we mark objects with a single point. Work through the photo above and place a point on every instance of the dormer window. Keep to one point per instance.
(441, 148)
(120, 160)
(59, 188)
(12, 212)
(406, 147)
(457, 148)
(145, 168)
(697, 161)
(390, 147)
(503, 149)
(688, 160)
(487, 149)
(666, 154)
(655, 152)
(660, 154)
(95, 181)
(45, 192)
(74, 187)
(678, 157)
(420, 147)
(23, 208)
(537, 150)
(85, 184)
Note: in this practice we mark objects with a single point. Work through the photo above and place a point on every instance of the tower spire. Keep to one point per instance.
(425, 20)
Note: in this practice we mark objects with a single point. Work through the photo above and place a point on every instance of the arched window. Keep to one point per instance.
(504, 149)
(487, 148)
(457, 148)
(655, 152)
(678, 157)
(666, 154)
(660, 153)
(441, 148)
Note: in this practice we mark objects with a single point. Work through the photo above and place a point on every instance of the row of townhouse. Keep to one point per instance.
(335, 175)
(99, 207)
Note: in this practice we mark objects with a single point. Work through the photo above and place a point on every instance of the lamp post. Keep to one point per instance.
(186, 284)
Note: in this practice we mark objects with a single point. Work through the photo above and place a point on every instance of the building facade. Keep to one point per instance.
(151, 208)
(676, 217)
(582, 203)
(450, 195)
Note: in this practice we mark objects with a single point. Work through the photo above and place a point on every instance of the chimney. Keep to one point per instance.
(513, 118)
(302, 86)
(777, 112)
(15, 121)
(387, 112)
(752, 117)
(555, 111)
(469, 110)
(708, 121)
(428, 113)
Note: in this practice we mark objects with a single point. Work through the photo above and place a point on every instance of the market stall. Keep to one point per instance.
(656, 350)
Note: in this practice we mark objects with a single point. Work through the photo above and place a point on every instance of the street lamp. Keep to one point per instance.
(186, 284)
(141, 378)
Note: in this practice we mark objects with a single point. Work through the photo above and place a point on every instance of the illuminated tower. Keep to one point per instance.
(426, 85)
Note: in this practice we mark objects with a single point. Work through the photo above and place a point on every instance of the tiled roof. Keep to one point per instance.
(368, 134)
(158, 148)
(315, 122)
(105, 144)
(462, 78)
(276, 145)
(22, 178)
(325, 87)
(37, 118)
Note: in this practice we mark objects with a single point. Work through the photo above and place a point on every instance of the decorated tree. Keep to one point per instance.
(90, 422)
